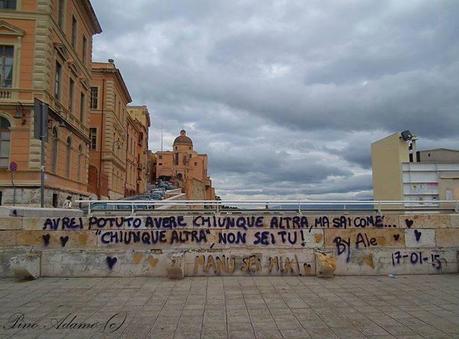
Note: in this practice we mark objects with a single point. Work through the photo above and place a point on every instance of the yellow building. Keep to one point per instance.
(186, 168)
(108, 131)
(421, 178)
(45, 53)
(138, 124)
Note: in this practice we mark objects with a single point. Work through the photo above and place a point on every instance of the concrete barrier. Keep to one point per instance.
(224, 244)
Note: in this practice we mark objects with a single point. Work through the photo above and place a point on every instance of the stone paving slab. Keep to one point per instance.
(423, 306)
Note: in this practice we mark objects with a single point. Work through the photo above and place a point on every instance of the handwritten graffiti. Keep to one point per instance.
(153, 237)
(219, 222)
(362, 240)
(418, 258)
(111, 261)
(251, 264)
(63, 224)
(171, 222)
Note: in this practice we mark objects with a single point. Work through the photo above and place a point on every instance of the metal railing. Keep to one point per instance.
(133, 206)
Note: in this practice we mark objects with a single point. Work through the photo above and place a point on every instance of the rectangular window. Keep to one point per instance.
(93, 137)
(82, 106)
(7, 4)
(60, 13)
(57, 81)
(74, 31)
(94, 97)
(4, 148)
(6, 66)
(84, 51)
(71, 94)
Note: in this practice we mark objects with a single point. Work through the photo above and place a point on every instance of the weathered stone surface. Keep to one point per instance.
(425, 220)
(358, 239)
(176, 268)
(5, 256)
(447, 237)
(57, 239)
(87, 263)
(420, 238)
(325, 264)
(455, 220)
(397, 261)
(25, 266)
(73, 246)
(7, 238)
(246, 262)
(8, 223)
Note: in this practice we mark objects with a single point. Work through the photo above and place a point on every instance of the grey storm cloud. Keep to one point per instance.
(287, 96)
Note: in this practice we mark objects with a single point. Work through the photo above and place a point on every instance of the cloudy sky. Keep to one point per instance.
(286, 96)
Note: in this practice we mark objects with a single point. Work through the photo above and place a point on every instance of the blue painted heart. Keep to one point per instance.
(417, 235)
(64, 240)
(111, 261)
(46, 238)
(409, 223)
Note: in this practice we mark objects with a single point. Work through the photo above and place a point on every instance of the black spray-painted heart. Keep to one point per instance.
(111, 261)
(64, 240)
(46, 238)
(396, 237)
(409, 223)
(417, 235)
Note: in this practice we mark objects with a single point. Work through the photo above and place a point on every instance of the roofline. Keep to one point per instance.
(92, 14)
(146, 111)
(116, 71)
(439, 149)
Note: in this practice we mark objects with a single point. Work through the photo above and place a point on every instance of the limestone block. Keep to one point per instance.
(5, 255)
(425, 221)
(455, 220)
(10, 223)
(325, 264)
(57, 239)
(96, 263)
(7, 238)
(26, 266)
(176, 269)
(33, 224)
(357, 238)
(420, 238)
(447, 237)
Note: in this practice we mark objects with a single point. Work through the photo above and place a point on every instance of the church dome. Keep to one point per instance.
(182, 139)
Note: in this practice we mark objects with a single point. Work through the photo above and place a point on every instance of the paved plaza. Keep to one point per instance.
(232, 307)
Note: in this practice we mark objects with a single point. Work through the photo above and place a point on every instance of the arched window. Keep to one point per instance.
(69, 157)
(80, 162)
(54, 146)
(4, 142)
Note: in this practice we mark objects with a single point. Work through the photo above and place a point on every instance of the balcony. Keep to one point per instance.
(15, 94)
(6, 94)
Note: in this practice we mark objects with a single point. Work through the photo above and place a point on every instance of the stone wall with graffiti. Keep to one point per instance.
(238, 244)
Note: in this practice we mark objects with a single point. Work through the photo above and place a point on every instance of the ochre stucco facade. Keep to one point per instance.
(186, 168)
(46, 48)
